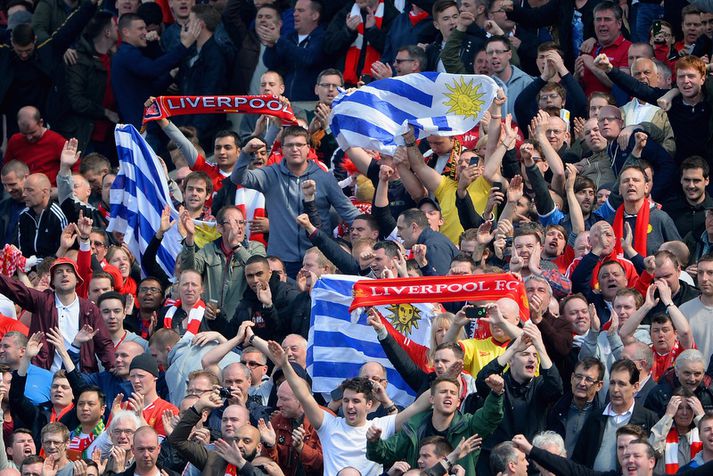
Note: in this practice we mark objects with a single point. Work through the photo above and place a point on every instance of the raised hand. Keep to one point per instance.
(496, 384)
(485, 233)
(309, 190)
(602, 62)
(465, 19)
(187, 223)
(230, 452)
(380, 71)
(267, 432)
(166, 222)
(468, 445)
(68, 237)
(34, 345)
(353, 21)
(516, 262)
(70, 154)
(118, 458)
(305, 280)
(169, 420)
(190, 32)
(398, 468)
(277, 353)
(419, 254)
(373, 319)
(55, 338)
(264, 294)
(305, 223)
(242, 334)
(516, 189)
(85, 334)
(673, 405)
(594, 321)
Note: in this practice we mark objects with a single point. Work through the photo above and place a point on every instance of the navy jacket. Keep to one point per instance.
(298, 62)
(440, 252)
(134, 78)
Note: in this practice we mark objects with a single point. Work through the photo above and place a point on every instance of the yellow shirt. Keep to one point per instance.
(446, 196)
(479, 352)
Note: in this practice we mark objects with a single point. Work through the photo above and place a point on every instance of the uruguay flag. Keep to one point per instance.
(339, 343)
(137, 197)
(375, 116)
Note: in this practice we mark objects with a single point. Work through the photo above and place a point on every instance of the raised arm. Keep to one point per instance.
(300, 388)
(428, 176)
(628, 328)
(503, 143)
(680, 323)
(575, 210)
(539, 126)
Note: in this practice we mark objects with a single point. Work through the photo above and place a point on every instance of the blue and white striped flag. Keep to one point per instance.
(339, 343)
(137, 198)
(375, 116)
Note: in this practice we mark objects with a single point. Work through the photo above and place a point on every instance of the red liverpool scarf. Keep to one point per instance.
(416, 15)
(671, 451)
(484, 287)
(195, 316)
(640, 230)
(167, 106)
(351, 75)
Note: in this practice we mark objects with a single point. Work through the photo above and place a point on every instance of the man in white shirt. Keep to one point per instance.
(344, 439)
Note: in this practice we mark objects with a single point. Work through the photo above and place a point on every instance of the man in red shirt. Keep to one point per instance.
(35, 145)
(609, 41)
(143, 375)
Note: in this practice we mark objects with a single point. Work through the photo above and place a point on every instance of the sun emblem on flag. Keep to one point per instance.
(404, 317)
(464, 98)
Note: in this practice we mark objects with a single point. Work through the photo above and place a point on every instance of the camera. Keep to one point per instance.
(225, 393)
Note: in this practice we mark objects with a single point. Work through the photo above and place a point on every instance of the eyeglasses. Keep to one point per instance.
(399, 61)
(149, 290)
(121, 431)
(549, 96)
(329, 85)
(610, 118)
(99, 243)
(293, 146)
(557, 132)
(496, 52)
(251, 363)
(586, 378)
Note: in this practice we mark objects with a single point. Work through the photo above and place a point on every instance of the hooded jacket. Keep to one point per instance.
(283, 202)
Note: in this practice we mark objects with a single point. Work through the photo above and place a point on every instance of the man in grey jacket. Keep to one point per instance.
(281, 184)
(221, 262)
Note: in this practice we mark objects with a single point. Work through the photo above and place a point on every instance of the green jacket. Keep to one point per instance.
(225, 284)
(404, 445)
(48, 16)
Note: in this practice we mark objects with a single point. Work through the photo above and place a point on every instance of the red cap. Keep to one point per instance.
(68, 261)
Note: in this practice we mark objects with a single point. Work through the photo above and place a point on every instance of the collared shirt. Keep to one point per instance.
(619, 417)
(617, 53)
(68, 322)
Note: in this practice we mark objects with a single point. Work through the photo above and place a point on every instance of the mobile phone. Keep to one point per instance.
(366, 78)
(475, 160)
(497, 187)
(475, 312)
(656, 27)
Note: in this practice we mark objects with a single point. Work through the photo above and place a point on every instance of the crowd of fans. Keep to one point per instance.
(587, 178)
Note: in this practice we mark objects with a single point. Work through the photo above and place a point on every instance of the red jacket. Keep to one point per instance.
(44, 317)
(285, 455)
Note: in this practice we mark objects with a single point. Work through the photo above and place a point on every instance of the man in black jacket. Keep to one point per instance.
(568, 414)
(597, 447)
(527, 396)
(31, 71)
(268, 302)
(13, 179)
(689, 372)
(432, 251)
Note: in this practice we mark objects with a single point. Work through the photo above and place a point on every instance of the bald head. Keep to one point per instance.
(509, 309)
(36, 192)
(28, 114)
(645, 71)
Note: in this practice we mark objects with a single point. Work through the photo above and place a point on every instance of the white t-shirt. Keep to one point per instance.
(344, 445)
(68, 321)
(700, 318)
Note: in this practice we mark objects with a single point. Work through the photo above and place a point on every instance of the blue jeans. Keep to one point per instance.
(646, 14)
